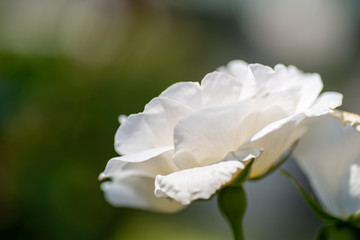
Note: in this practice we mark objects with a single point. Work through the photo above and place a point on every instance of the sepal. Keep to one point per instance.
(243, 175)
(354, 220)
(312, 202)
(334, 228)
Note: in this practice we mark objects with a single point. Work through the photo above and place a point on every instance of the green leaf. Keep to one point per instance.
(311, 201)
(232, 204)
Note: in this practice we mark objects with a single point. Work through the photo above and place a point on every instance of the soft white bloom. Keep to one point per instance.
(195, 138)
(329, 154)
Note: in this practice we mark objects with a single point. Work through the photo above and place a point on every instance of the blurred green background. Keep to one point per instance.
(69, 68)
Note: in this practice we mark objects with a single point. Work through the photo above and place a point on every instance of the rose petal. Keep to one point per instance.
(311, 86)
(196, 183)
(304, 87)
(151, 129)
(262, 74)
(329, 154)
(244, 154)
(118, 169)
(122, 119)
(325, 104)
(188, 93)
(237, 68)
(329, 100)
(206, 136)
(145, 155)
(275, 138)
(135, 192)
(241, 71)
(220, 88)
(132, 184)
(286, 132)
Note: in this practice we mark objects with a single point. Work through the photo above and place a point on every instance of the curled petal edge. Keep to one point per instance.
(188, 185)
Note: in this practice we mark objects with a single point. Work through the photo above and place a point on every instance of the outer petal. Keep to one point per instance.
(237, 68)
(219, 88)
(136, 192)
(197, 183)
(145, 155)
(122, 119)
(188, 93)
(311, 86)
(202, 182)
(132, 184)
(278, 136)
(151, 129)
(329, 154)
(216, 88)
(304, 87)
(241, 71)
(262, 74)
(275, 138)
(328, 100)
(206, 136)
(119, 169)
(324, 104)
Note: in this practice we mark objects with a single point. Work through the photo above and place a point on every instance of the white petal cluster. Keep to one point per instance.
(329, 154)
(195, 138)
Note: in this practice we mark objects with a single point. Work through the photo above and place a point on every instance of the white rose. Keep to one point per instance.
(195, 138)
(329, 154)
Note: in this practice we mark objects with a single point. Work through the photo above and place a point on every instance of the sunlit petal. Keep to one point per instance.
(329, 154)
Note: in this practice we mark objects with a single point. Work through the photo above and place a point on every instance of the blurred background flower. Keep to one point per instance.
(69, 68)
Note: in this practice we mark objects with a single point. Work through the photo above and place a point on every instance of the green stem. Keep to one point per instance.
(232, 203)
